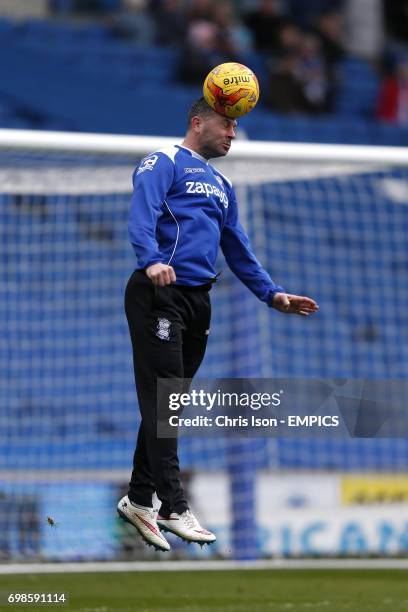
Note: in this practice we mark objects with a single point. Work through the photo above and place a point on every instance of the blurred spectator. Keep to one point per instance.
(95, 6)
(201, 10)
(306, 12)
(365, 28)
(289, 39)
(201, 53)
(171, 22)
(284, 91)
(329, 30)
(393, 98)
(396, 19)
(234, 36)
(134, 23)
(299, 80)
(314, 75)
(265, 23)
(214, 35)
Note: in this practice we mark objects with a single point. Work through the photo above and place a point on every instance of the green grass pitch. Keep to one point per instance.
(221, 591)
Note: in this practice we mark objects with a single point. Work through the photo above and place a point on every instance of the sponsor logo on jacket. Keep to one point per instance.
(208, 190)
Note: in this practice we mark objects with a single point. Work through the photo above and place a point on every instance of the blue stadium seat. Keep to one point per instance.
(358, 91)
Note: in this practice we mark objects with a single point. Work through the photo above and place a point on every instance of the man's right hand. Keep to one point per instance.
(161, 275)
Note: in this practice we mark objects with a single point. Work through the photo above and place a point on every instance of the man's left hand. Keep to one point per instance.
(294, 304)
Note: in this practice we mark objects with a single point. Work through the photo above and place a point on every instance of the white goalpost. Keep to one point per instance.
(141, 145)
(330, 221)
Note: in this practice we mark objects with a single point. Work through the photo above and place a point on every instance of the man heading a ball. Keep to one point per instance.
(182, 211)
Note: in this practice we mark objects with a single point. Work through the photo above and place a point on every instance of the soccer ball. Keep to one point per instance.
(231, 89)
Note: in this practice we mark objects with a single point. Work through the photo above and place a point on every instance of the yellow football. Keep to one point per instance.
(231, 89)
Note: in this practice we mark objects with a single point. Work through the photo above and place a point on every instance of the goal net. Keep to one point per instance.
(329, 222)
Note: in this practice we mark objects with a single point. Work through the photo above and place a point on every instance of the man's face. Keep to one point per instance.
(215, 134)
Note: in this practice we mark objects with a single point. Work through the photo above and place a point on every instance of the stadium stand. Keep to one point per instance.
(96, 83)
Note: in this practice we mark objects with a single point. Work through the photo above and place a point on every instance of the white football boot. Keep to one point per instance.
(187, 527)
(144, 519)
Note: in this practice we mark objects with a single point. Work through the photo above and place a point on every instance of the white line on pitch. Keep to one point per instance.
(171, 566)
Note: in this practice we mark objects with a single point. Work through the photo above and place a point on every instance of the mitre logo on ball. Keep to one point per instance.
(236, 80)
(231, 89)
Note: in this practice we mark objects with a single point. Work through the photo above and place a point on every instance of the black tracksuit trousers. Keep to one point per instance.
(169, 330)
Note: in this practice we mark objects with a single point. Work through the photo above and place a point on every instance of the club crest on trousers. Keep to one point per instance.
(163, 328)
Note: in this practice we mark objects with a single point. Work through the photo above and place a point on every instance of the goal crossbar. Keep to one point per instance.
(242, 149)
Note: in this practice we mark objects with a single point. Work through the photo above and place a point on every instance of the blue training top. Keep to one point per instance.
(182, 210)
